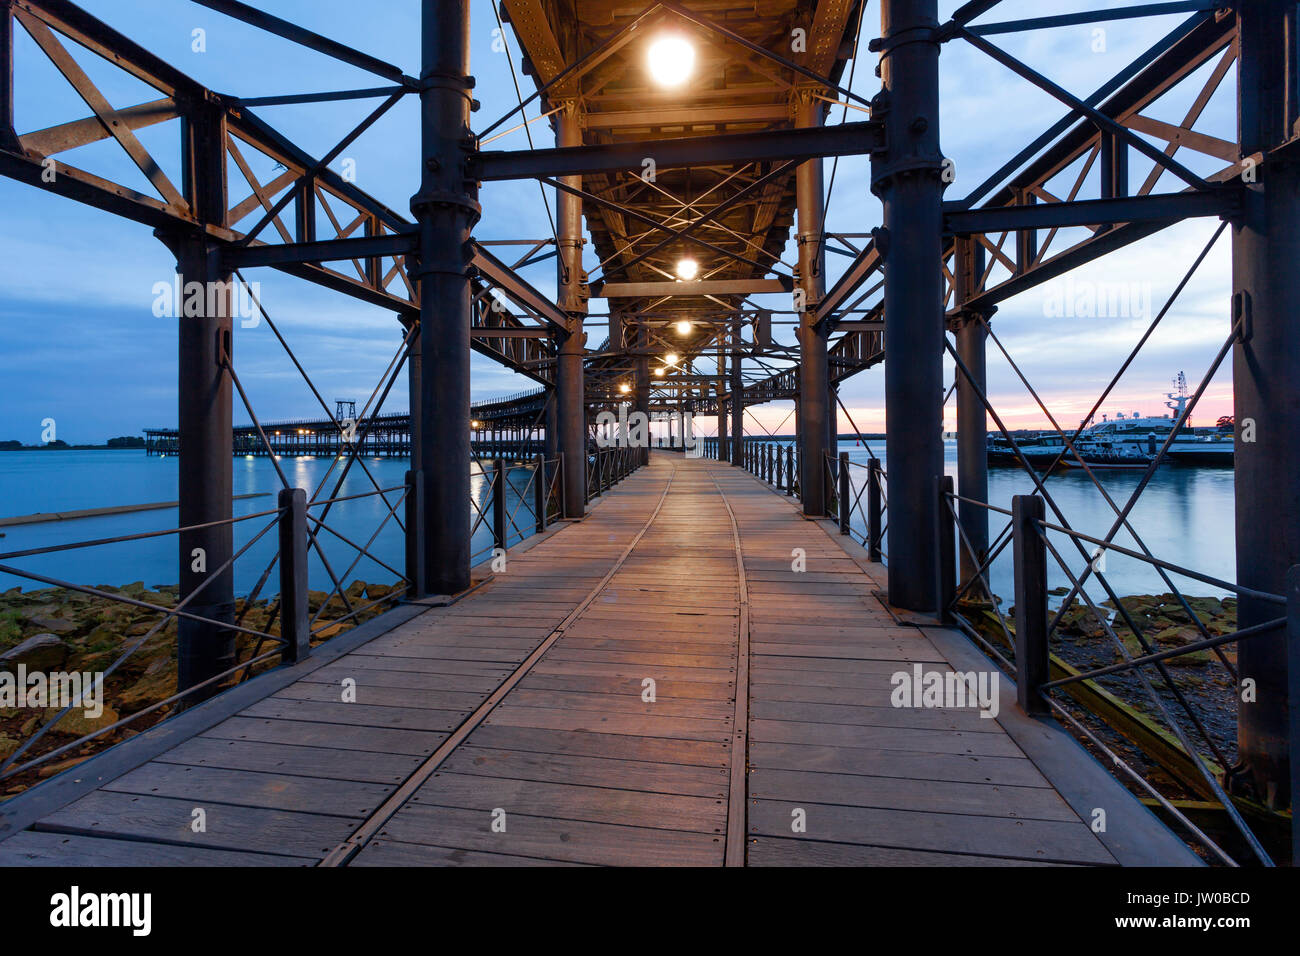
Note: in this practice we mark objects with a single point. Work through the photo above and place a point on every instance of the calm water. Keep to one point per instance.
(1184, 516)
(32, 482)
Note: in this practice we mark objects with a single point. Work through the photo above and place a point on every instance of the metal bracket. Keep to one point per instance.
(1243, 312)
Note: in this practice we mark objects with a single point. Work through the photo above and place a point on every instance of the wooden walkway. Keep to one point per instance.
(653, 685)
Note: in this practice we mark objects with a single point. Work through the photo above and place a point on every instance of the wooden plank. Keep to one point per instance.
(1012, 771)
(35, 848)
(667, 688)
(415, 680)
(887, 738)
(293, 759)
(774, 851)
(334, 736)
(564, 840)
(864, 716)
(1039, 840)
(356, 715)
(687, 728)
(938, 796)
(705, 753)
(203, 786)
(626, 703)
(685, 779)
(559, 801)
(385, 696)
(285, 832)
(392, 853)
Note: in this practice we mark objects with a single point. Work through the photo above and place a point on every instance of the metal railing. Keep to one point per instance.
(542, 493)
(289, 627)
(606, 467)
(295, 618)
(1044, 681)
(868, 499)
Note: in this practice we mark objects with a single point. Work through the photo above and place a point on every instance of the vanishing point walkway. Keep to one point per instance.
(653, 685)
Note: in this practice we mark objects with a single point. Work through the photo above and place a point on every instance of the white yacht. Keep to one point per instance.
(1125, 440)
(1145, 434)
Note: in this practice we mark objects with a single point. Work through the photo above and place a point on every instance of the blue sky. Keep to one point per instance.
(79, 342)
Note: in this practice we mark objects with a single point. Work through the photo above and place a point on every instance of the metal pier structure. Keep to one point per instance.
(697, 658)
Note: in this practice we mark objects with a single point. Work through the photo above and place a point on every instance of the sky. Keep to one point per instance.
(80, 343)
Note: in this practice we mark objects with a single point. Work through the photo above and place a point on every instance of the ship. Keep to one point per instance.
(1125, 440)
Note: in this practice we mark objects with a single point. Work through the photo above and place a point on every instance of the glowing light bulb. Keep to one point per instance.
(671, 60)
(687, 269)
(624, 387)
(659, 371)
(670, 358)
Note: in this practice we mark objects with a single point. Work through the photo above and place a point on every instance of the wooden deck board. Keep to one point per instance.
(529, 697)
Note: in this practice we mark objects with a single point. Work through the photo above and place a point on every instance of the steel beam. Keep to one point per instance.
(1266, 367)
(639, 290)
(728, 149)
(324, 250)
(446, 208)
(1221, 202)
(908, 179)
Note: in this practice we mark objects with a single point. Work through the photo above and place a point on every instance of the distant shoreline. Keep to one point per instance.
(122, 445)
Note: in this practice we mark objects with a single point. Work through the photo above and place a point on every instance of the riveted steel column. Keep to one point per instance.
(724, 446)
(642, 386)
(831, 483)
(907, 178)
(737, 399)
(814, 429)
(569, 376)
(413, 366)
(1266, 367)
(446, 209)
(551, 440)
(205, 432)
(8, 137)
(204, 469)
(972, 419)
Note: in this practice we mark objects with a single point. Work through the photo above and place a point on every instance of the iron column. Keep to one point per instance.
(643, 388)
(446, 208)
(1266, 367)
(204, 468)
(569, 371)
(413, 391)
(814, 385)
(724, 448)
(205, 429)
(972, 418)
(551, 446)
(737, 399)
(908, 180)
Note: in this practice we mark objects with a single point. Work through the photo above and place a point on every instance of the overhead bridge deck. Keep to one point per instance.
(655, 684)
